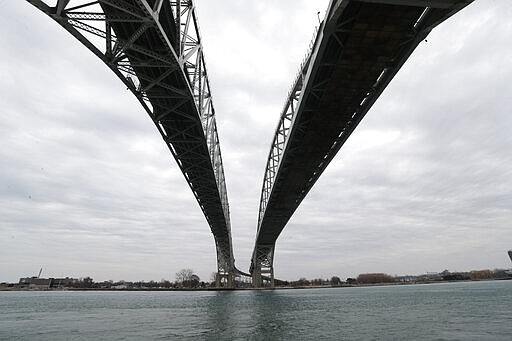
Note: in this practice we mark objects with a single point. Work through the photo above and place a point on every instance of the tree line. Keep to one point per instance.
(382, 278)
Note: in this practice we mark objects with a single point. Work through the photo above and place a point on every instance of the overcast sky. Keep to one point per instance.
(88, 188)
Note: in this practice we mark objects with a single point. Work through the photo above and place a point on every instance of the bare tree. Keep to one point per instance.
(184, 275)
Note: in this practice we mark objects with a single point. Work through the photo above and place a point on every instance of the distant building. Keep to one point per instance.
(509, 272)
(26, 281)
(63, 282)
(120, 286)
(45, 283)
(480, 274)
(40, 283)
(445, 273)
(406, 279)
(434, 276)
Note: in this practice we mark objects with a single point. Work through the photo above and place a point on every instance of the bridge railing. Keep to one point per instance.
(283, 128)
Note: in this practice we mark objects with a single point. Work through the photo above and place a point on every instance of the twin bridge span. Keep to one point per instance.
(154, 47)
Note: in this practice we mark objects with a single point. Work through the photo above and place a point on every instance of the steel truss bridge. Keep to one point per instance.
(358, 49)
(154, 47)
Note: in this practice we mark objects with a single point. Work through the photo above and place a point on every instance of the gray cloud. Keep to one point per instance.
(88, 188)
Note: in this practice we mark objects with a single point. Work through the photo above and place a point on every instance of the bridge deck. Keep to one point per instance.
(183, 126)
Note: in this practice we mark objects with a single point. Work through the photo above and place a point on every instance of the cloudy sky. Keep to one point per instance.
(87, 187)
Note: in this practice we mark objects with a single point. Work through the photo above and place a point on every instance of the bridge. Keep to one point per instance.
(154, 47)
(358, 49)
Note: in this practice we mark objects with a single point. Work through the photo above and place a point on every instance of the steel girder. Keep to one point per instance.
(359, 48)
(154, 47)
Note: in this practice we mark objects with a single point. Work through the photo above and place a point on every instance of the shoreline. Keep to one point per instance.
(250, 288)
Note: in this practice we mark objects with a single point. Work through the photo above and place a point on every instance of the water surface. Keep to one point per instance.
(445, 311)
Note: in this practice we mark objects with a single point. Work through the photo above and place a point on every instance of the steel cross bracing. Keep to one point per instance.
(359, 47)
(154, 47)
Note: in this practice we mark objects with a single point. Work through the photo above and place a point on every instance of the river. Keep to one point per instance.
(444, 311)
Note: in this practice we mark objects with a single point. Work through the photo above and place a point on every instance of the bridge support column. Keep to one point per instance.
(257, 281)
(225, 267)
(262, 266)
(224, 280)
(218, 280)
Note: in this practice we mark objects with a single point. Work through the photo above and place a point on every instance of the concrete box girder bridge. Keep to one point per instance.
(154, 47)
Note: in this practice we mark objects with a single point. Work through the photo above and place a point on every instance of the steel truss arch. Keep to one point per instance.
(154, 47)
(356, 52)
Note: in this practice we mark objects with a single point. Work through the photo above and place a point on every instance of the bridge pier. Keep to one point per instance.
(262, 266)
(225, 266)
(260, 275)
(224, 280)
(257, 281)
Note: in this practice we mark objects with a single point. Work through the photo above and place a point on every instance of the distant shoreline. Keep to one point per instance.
(250, 288)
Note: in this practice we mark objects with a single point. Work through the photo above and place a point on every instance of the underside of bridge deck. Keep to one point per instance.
(359, 48)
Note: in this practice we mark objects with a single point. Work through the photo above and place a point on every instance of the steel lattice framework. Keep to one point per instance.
(154, 47)
(358, 49)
